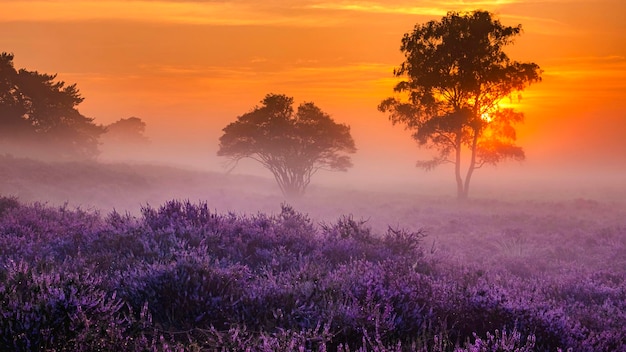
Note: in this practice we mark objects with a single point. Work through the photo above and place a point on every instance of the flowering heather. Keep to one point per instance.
(183, 278)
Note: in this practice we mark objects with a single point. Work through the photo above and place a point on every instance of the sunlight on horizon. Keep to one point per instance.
(189, 66)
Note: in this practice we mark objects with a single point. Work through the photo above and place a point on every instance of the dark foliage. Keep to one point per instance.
(7, 203)
(456, 74)
(292, 145)
(38, 116)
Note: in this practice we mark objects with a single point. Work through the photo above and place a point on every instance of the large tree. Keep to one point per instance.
(456, 74)
(292, 145)
(40, 114)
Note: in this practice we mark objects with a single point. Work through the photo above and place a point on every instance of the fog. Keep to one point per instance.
(553, 222)
(565, 145)
(588, 162)
(533, 202)
(519, 240)
(180, 162)
(174, 169)
(119, 250)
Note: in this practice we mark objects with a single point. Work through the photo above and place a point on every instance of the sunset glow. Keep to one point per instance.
(313, 175)
(189, 67)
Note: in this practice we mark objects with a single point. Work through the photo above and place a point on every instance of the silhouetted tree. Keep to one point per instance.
(292, 145)
(456, 74)
(38, 112)
(129, 131)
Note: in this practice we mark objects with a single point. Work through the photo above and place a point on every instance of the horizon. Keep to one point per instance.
(188, 68)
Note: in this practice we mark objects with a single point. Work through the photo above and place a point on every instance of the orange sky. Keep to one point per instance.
(188, 68)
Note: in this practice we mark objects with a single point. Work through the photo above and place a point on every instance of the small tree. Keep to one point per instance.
(129, 131)
(457, 74)
(37, 111)
(124, 138)
(293, 146)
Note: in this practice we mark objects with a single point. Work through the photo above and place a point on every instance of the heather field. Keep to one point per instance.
(146, 258)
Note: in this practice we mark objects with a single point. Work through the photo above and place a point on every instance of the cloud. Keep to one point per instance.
(356, 81)
(381, 8)
(299, 13)
(186, 12)
(502, 8)
(426, 8)
(582, 82)
(221, 12)
(610, 68)
(345, 74)
(615, 59)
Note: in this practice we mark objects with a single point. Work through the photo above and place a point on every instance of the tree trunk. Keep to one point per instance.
(471, 168)
(291, 185)
(457, 169)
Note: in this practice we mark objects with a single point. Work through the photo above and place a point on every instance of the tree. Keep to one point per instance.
(292, 145)
(36, 111)
(129, 131)
(124, 139)
(456, 76)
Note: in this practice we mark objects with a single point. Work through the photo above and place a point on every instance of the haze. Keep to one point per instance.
(156, 245)
(188, 68)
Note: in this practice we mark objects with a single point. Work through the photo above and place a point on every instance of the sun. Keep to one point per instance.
(486, 117)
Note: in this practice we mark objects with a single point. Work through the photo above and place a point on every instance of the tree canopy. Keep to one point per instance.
(124, 139)
(293, 145)
(129, 130)
(39, 114)
(456, 76)
(126, 132)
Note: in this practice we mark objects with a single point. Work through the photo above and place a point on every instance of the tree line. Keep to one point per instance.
(39, 115)
(454, 75)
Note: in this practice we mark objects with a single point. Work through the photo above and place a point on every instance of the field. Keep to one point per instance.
(191, 260)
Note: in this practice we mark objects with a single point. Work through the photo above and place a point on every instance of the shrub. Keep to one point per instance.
(8, 203)
(183, 278)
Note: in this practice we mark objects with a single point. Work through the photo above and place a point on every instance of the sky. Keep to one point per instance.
(188, 68)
